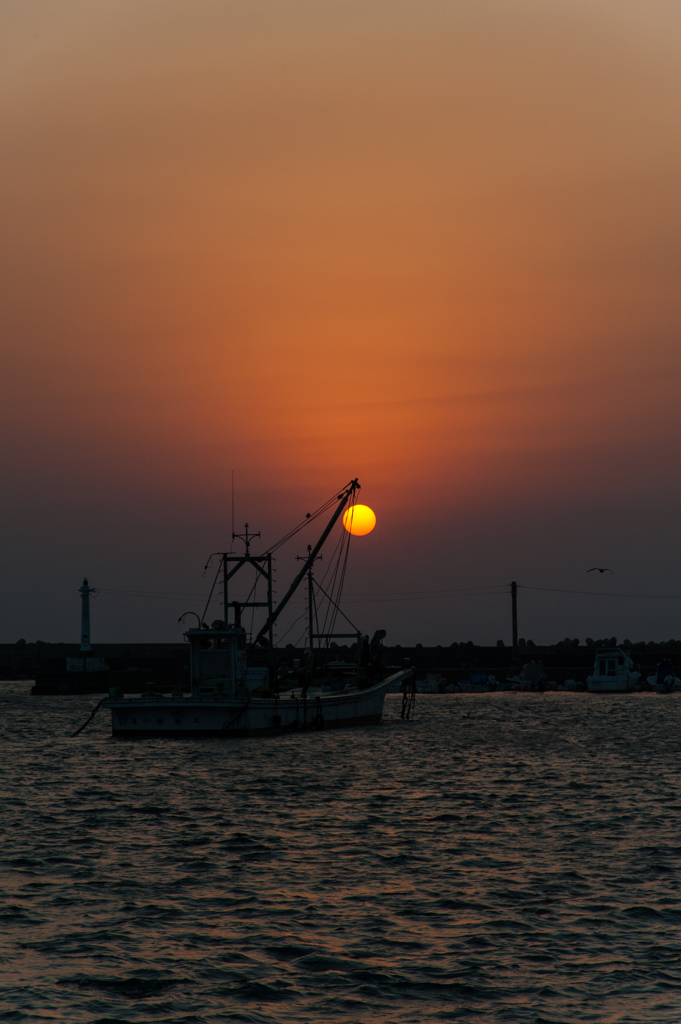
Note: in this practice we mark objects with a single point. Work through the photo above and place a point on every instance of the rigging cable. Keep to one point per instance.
(254, 591)
(341, 584)
(296, 529)
(333, 569)
(210, 596)
(295, 621)
(337, 607)
(309, 518)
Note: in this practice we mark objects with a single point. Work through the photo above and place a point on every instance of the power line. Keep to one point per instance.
(448, 590)
(160, 595)
(604, 593)
(423, 597)
(486, 591)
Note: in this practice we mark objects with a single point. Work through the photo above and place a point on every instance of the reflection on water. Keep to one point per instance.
(505, 857)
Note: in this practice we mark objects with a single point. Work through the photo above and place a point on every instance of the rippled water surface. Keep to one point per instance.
(505, 857)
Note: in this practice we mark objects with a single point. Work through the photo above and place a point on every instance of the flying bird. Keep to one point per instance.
(596, 569)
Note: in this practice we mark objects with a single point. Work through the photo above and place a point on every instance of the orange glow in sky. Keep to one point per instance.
(433, 245)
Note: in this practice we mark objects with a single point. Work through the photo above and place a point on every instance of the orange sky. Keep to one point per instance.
(432, 244)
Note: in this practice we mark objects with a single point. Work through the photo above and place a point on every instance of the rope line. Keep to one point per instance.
(237, 717)
(85, 724)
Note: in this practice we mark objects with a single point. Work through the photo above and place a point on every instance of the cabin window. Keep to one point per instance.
(611, 667)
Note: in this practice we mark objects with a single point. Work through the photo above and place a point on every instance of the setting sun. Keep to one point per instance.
(359, 520)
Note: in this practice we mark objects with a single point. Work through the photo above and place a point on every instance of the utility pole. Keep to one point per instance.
(514, 613)
(85, 592)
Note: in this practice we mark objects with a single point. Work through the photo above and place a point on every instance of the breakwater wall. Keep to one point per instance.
(134, 665)
(25, 661)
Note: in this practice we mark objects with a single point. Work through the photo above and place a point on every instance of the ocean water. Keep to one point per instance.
(504, 857)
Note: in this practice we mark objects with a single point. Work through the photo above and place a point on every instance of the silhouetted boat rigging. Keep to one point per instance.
(235, 690)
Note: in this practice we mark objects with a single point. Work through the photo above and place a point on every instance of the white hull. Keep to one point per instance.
(612, 685)
(666, 687)
(177, 717)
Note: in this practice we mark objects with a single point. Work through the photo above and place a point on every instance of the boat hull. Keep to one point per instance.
(612, 685)
(225, 717)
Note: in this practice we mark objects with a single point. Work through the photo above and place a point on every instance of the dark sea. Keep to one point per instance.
(505, 857)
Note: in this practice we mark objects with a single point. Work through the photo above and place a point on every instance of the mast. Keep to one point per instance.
(310, 601)
(247, 538)
(309, 561)
(224, 586)
(310, 613)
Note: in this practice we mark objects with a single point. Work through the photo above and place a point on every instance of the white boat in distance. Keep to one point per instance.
(613, 672)
(230, 697)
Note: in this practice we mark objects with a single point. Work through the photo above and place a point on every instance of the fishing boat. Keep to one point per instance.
(613, 672)
(232, 693)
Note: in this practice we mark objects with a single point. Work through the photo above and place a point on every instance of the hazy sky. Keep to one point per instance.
(434, 244)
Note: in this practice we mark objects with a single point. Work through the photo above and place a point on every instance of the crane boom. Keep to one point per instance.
(343, 500)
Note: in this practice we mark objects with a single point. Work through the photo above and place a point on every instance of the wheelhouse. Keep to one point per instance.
(610, 663)
(217, 660)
